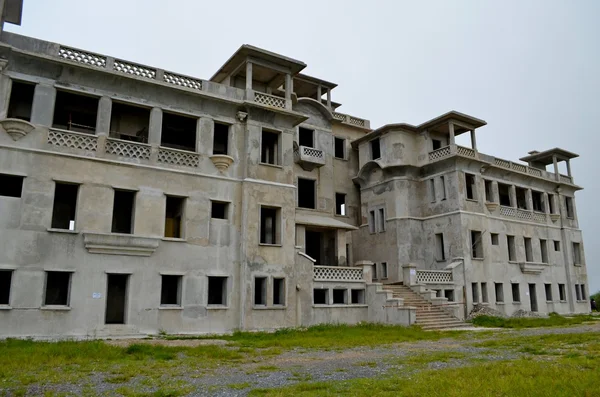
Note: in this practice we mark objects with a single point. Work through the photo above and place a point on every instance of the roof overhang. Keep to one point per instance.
(322, 221)
(307, 86)
(547, 156)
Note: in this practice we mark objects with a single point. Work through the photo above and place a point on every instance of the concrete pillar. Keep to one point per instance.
(155, 126)
(367, 270)
(495, 194)
(205, 133)
(2, 3)
(409, 274)
(42, 109)
(104, 115)
(329, 98)
(289, 88)
(451, 131)
(319, 93)
(340, 240)
(528, 200)
(512, 193)
(569, 168)
(545, 204)
(555, 162)
(5, 89)
(301, 237)
(248, 75)
(473, 140)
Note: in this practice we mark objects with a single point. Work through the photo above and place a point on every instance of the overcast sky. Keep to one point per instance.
(531, 69)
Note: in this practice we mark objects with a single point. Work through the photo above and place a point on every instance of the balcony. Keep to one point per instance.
(351, 120)
(526, 215)
(309, 158)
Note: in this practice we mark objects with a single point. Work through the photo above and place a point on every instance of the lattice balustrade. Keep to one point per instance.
(502, 163)
(534, 171)
(78, 56)
(312, 152)
(434, 276)
(522, 214)
(339, 116)
(269, 100)
(128, 149)
(357, 121)
(178, 157)
(539, 217)
(73, 140)
(519, 168)
(565, 179)
(439, 153)
(183, 81)
(133, 69)
(334, 273)
(465, 151)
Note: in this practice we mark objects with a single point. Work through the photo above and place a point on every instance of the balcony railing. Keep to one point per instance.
(346, 118)
(309, 158)
(434, 276)
(269, 100)
(338, 273)
(526, 215)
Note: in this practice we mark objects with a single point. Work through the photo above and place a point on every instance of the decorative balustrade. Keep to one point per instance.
(73, 140)
(566, 179)
(309, 158)
(434, 276)
(357, 121)
(269, 100)
(182, 81)
(440, 153)
(337, 273)
(534, 171)
(178, 157)
(525, 215)
(87, 58)
(133, 69)
(345, 118)
(128, 149)
(339, 116)
(465, 151)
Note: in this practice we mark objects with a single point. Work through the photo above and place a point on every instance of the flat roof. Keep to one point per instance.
(246, 51)
(547, 156)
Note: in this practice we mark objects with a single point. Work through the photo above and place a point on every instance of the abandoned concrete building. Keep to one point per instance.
(135, 200)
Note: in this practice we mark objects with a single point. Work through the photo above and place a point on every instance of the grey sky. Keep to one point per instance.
(531, 69)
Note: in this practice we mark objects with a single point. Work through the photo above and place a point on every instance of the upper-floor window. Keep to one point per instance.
(443, 187)
(174, 216)
(375, 149)
(64, 206)
(21, 100)
(339, 146)
(307, 193)
(521, 198)
(537, 199)
(221, 139)
(270, 225)
(75, 112)
(269, 147)
(439, 247)
(512, 249)
(551, 206)
(436, 144)
(377, 220)
(306, 137)
(504, 194)
(576, 253)
(5, 284)
(476, 245)
(179, 132)
(129, 122)
(471, 187)
(528, 249)
(340, 204)
(123, 211)
(489, 191)
(11, 185)
(569, 207)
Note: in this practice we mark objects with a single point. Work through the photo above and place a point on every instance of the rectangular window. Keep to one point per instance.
(129, 122)
(260, 291)
(537, 199)
(170, 291)
(11, 185)
(499, 292)
(432, 197)
(489, 191)
(449, 294)
(495, 238)
(476, 245)
(443, 187)
(372, 224)
(75, 112)
(521, 198)
(384, 270)
(374, 271)
(577, 292)
(576, 254)
(339, 148)
(569, 207)
(504, 194)
(269, 225)
(221, 139)
(516, 294)
(484, 293)
(439, 247)
(320, 296)
(279, 291)
(65, 205)
(381, 217)
(358, 296)
(307, 193)
(512, 249)
(269, 148)
(556, 245)
(21, 100)
(217, 290)
(548, 289)
(219, 209)
(306, 137)
(470, 185)
(551, 205)
(375, 149)
(528, 249)
(340, 204)
(123, 212)
(5, 284)
(178, 132)
(475, 292)
(57, 288)
(561, 292)
(544, 250)
(583, 293)
(174, 217)
(340, 296)
(436, 144)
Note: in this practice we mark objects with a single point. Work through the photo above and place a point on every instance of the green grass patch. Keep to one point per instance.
(553, 320)
(239, 386)
(424, 359)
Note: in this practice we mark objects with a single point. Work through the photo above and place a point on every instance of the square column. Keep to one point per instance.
(289, 88)
(451, 131)
(155, 126)
(512, 193)
(319, 93)
(104, 115)
(205, 132)
(42, 109)
(528, 200)
(5, 89)
(340, 239)
(545, 204)
(555, 162)
(569, 168)
(329, 98)
(248, 75)
(473, 140)
(495, 194)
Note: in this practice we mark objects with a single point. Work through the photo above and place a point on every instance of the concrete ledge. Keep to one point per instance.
(56, 308)
(120, 244)
(67, 231)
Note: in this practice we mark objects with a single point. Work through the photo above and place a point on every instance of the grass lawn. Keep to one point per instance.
(553, 320)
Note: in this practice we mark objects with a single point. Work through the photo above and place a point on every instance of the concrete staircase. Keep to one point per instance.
(429, 317)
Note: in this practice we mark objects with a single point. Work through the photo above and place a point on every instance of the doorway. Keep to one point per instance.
(533, 298)
(116, 298)
(313, 245)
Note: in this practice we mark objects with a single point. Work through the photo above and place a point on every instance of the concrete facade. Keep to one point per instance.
(135, 200)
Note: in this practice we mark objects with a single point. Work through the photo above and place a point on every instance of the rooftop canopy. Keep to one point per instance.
(547, 156)
(311, 87)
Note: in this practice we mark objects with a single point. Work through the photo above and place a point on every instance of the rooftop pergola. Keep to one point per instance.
(311, 87)
(553, 156)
